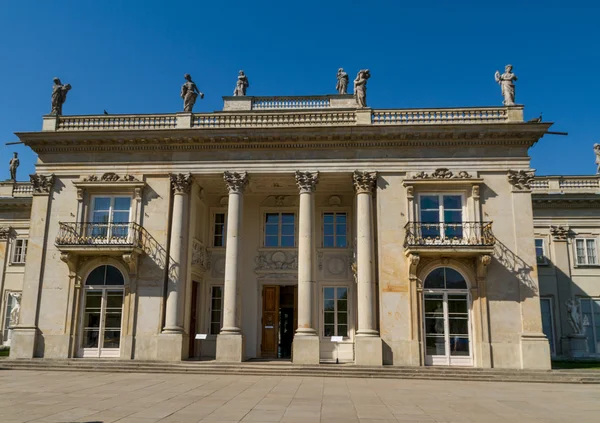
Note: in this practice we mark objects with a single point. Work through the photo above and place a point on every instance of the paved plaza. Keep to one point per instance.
(33, 396)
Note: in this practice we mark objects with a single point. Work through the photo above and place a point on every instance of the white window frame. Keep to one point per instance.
(213, 227)
(335, 236)
(22, 251)
(280, 226)
(441, 194)
(111, 211)
(544, 255)
(335, 310)
(553, 328)
(210, 310)
(591, 322)
(585, 241)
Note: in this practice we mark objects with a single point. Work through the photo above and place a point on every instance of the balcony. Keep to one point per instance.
(457, 239)
(108, 238)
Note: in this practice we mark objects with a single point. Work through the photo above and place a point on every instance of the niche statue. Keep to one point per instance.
(59, 96)
(189, 92)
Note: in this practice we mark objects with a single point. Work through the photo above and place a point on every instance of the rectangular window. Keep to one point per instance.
(548, 322)
(219, 234)
(280, 229)
(540, 253)
(441, 216)
(585, 251)
(216, 309)
(335, 311)
(19, 251)
(110, 217)
(335, 226)
(590, 311)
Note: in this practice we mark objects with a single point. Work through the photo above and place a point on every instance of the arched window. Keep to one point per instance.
(105, 275)
(445, 278)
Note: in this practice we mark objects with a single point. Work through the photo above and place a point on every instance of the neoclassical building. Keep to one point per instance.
(302, 228)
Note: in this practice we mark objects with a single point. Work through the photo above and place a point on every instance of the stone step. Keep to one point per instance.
(267, 369)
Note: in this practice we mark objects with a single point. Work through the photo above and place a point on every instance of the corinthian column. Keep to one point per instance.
(229, 341)
(368, 343)
(181, 185)
(306, 341)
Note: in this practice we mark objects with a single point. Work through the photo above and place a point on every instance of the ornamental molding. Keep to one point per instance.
(443, 173)
(181, 183)
(110, 177)
(550, 203)
(235, 182)
(364, 182)
(277, 260)
(521, 179)
(307, 181)
(42, 184)
(199, 255)
(559, 232)
(5, 232)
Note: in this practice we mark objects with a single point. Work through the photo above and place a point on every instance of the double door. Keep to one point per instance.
(102, 322)
(447, 328)
(279, 320)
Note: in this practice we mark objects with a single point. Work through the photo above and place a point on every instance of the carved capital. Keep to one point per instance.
(364, 181)
(4, 232)
(521, 179)
(414, 260)
(181, 183)
(307, 181)
(42, 184)
(235, 182)
(559, 233)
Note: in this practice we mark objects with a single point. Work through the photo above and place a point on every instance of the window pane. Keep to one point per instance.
(435, 280)
(343, 330)
(219, 218)
(430, 216)
(430, 202)
(342, 293)
(218, 241)
(287, 241)
(328, 305)
(329, 318)
(452, 202)
(215, 328)
(120, 217)
(454, 280)
(287, 218)
(100, 217)
(342, 318)
(435, 345)
(452, 216)
(328, 293)
(591, 251)
(122, 203)
(341, 241)
(287, 230)
(90, 338)
(342, 305)
(340, 229)
(96, 276)
(458, 326)
(272, 218)
(215, 316)
(271, 241)
(101, 203)
(459, 345)
(328, 241)
(114, 300)
(272, 230)
(217, 292)
(112, 338)
(580, 251)
(91, 320)
(340, 218)
(113, 320)
(328, 218)
(114, 276)
(329, 330)
(328, 229)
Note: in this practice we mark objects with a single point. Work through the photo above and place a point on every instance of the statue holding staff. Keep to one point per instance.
(360, 87)
(342, 82)
(241, 85)
(59, 96)
(189, 92)
(506, 81)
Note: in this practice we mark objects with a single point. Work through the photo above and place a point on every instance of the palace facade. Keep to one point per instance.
(302, 228)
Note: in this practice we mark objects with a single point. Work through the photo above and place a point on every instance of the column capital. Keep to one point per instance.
(521, 179)
(236, 182)
(42, 184)
(307, 181)
(559, 233)
(364, 182)
(181, 183)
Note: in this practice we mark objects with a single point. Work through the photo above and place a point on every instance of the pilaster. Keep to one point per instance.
(561, 259)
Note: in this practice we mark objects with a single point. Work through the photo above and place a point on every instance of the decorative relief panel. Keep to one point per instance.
(215, 262)
(111, 177)
(199, 258)
(277, 260)
(443, 173)
(334, 264)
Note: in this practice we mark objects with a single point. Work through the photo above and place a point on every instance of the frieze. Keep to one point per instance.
(111, 177)
(521, 179)
(442, 173)
(280, 260)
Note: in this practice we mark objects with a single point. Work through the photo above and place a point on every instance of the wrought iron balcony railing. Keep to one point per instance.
(464, 234)
(96, 234)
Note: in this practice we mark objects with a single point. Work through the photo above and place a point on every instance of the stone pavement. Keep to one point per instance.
(34, 396)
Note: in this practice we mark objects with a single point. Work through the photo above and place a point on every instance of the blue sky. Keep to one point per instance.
(130, 57)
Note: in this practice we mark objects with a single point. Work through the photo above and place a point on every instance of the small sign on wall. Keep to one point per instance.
(201, 336)
(337, 338)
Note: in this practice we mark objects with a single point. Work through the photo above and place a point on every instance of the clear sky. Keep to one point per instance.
(130, 57)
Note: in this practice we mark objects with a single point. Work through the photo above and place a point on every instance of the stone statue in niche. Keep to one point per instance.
(15, 313)
(597, 151)
(189, 92)
(241, 85)
(574, 316)
(13, 165)
(506, 82)
(360, 87)
(59, 96)
(342, 82)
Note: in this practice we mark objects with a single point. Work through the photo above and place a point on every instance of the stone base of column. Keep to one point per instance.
(230, 348)
(368, 351)
(306, 350)
(23, 342)
(535, 351)
(170, 346)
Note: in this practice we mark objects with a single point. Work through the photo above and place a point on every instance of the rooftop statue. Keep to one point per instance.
(360, 87)
(241, 85)
(597, 151)
(506, 81)
(59, 96)
(13, 165)
(189, 92)
(342, 82)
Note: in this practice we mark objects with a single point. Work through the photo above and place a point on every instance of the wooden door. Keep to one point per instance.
(270, 321)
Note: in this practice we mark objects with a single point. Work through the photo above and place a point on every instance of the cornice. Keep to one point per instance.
(552, 202)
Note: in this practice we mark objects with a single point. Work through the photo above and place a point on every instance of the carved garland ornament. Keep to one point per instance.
(521, 179)
(236, 182)
(111, 177)
(364, 182)
(42, 184)
(443, 173)
(307, 181)
(277, 260)
(181, 183)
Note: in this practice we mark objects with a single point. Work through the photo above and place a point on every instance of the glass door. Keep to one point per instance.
(441, 217)
(447, 329)
(110, 219)
(102, 319)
